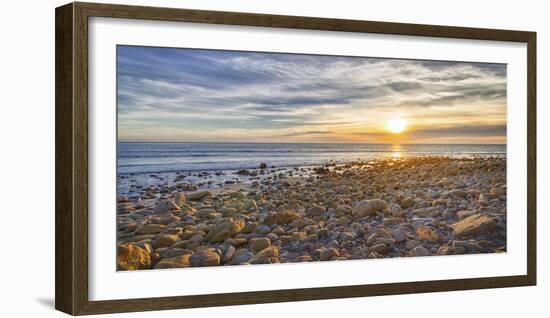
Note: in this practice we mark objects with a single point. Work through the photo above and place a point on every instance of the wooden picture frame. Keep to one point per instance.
(71, 90)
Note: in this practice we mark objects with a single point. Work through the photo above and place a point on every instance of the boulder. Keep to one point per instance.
(268, 255)
(283, 217)
(369, 207)
(205, 257)
(173, 262)
(473, 225)
(315, 210)
(150, 229)
(429, 212)
(198, 195)
(328, 254)
(419, 251)
(225, 229)
(132, 257)
(258, 244)
(164, 240)
(165, 206)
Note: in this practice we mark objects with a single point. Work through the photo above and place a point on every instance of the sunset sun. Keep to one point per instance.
(397, 125)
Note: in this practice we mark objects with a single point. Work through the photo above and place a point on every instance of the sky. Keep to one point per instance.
(193, 95)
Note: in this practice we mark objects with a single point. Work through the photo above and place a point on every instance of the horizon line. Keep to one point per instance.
(264, 142)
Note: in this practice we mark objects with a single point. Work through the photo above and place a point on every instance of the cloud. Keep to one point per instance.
(164, 89)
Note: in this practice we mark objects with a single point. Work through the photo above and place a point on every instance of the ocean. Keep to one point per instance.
(172, 157)
(211, 165)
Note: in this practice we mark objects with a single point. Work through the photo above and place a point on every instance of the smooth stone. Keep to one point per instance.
(328, 254)
(198, 195)
(315, 210)
(258, 244)
(206, 257)
(419, 251)
(369, 207)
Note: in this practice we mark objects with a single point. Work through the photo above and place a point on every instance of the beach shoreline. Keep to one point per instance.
(388, 207)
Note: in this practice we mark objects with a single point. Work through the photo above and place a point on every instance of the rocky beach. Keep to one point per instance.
(382, 208)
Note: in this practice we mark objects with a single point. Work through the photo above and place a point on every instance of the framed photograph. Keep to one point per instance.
(211, 158)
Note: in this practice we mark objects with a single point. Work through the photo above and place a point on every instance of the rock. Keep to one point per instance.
(371, 238)
(444, 250)
(369, 207)
(258, 244)
(412, 244)
(173, 252)
(205, 257)
(465, 213)
(427, 234)
(315, 210)
(454, 193)
(433, 194)
(263, 165)
(303, 258)
(228, 255)
(407, 202)
(150, 229)
(429, 212)
(393, 221)
(165, 206)
(173, 262)
(468, 245)
(268, 255)
(283, 217)
(179, 199)
(379, 248)
(165, 240)
(328, 254)
(132, 257)
(396, 210)
(225, 229)
(419, 251)
(198, 195)
(474, 225)
(242, 256)
(263, 229)
(399, 235)
(498, 191)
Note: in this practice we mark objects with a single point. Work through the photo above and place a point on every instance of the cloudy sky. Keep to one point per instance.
(167, 94)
